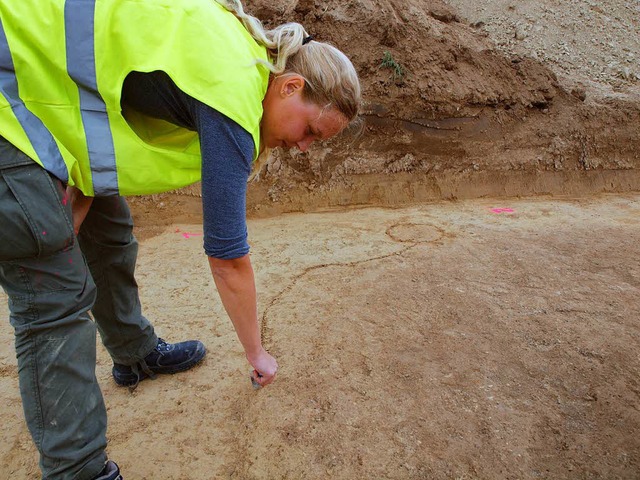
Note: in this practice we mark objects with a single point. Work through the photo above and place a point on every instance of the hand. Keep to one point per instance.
(265, 367)
(79, 207)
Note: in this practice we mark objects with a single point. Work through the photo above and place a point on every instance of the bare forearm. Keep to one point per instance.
(236, 286)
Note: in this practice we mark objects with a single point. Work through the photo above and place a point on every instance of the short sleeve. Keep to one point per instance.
(227, 155)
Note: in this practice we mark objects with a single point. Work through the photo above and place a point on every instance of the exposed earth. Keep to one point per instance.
(446, 331)
(472, 339)
(466, 99)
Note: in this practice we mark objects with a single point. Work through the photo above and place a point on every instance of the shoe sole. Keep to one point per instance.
(166, 371)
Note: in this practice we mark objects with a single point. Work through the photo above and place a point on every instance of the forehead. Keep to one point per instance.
(328, 122)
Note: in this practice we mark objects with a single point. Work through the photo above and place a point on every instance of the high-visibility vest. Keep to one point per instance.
(62, 66)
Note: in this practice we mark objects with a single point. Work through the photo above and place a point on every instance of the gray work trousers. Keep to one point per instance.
(53, 279)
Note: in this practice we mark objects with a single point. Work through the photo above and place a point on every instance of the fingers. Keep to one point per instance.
(262, 380)
(258, 381)
(264, 371)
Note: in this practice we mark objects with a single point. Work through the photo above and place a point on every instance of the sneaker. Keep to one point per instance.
(165, 358)
(109, 472)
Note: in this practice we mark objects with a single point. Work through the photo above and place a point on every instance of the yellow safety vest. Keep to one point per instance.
(62, 66)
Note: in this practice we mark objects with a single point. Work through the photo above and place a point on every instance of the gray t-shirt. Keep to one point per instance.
(227, 154)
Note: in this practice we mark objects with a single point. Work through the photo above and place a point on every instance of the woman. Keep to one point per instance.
(119, 97)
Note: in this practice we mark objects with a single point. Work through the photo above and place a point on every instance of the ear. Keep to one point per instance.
(291, 85)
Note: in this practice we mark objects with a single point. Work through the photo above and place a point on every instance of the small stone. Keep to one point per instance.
(627, 74)
(579, 93)
(521, 33)
(274, 166)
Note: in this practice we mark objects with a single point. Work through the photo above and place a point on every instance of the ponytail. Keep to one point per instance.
(330, 78)
(281, 42)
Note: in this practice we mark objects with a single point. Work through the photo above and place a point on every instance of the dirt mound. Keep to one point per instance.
(463, 100)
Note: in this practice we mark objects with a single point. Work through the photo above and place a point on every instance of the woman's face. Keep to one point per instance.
(290, 121)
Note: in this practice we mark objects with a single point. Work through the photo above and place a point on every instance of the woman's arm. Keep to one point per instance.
(80, 206)
(227, 155)
(236, 286)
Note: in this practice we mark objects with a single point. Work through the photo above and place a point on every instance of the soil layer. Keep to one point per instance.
(466, 99)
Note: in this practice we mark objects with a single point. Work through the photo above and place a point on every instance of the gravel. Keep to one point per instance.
(588, 44)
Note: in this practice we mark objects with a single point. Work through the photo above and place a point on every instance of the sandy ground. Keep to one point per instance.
(477, 339)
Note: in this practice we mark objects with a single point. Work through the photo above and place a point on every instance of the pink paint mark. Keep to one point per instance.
(64, 198)
(502, 210)
(44, 232)
(189, 235)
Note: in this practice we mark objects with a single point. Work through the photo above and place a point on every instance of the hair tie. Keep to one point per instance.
(307, 39)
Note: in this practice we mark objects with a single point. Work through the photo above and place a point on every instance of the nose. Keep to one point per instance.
(303, 145)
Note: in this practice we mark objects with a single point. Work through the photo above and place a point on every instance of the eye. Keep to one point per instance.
(311, 133)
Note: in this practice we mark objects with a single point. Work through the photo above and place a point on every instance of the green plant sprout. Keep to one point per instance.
(389, 62)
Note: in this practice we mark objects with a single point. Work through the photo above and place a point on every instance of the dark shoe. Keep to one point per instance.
(109, 472)
(165, 358)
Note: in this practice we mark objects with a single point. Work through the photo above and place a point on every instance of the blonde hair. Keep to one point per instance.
(331, 80)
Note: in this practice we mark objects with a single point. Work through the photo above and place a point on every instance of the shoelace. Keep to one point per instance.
(145, 368)
(162, 346)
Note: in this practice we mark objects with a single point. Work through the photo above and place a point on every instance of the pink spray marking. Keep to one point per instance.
(64, 198)
(44, 232)
(189, 235)
(502, 210)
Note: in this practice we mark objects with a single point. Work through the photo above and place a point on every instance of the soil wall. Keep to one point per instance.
(463, 107)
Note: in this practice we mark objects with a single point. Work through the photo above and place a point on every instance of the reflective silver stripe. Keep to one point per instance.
(81, 66)
(40, 138)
